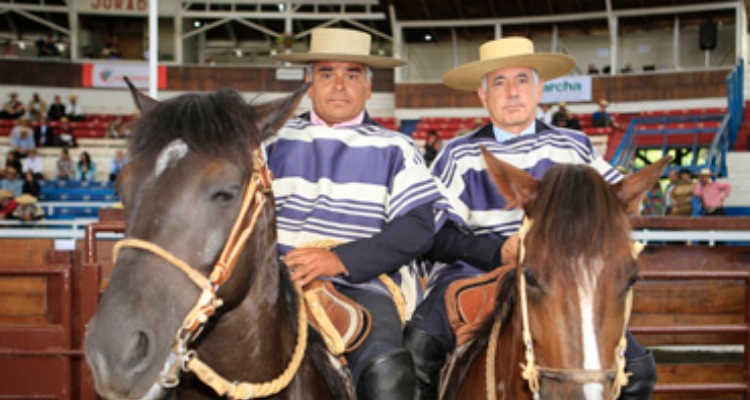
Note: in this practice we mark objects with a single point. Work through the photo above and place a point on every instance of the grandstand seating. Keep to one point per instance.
(75, 199)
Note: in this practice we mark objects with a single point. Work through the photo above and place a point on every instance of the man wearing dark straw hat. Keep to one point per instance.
(340, 178)
(480, 232)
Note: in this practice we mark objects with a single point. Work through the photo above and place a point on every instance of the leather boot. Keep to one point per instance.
(429, 355)
(389, 376)
(642, 380)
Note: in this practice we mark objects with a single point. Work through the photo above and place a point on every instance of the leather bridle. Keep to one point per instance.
(181, 358)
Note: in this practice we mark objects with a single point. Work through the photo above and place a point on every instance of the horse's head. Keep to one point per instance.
(576, 267)
(194, 195)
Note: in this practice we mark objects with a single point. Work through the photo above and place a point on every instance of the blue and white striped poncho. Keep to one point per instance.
(475, 203)
(346, 184)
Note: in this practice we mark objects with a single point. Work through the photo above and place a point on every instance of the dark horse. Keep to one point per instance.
(201, 239)
(559, 332)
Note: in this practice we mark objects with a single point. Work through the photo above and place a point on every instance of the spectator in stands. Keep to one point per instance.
(86, 168)
(432, 146)
(711, 194)
(36, 108)
(672, 177)
(561, 116)
(73, 110)
(7, 203)
(28, 208)
(56, 109)
(44, 135)
(33, 163)
(602, 118)
(118, 128)
(12, 160)
(592, 70)
(13, 108)
(47, 47)
(681, 195)
(31, 184)
(9, 49)
(65, 136)
(12, 182)
(22, 138)
(118, 161)
(65, 169)
(628, 68)
(545, 113)
(653, 203)
(110, 50)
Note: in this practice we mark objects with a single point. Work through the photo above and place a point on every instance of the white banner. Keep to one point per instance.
(110, 75)
(569, 89)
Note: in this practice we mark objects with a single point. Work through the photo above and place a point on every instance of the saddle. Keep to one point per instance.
(343, 323)
(469, 302)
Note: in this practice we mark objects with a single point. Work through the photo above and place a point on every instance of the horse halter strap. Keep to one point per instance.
(256, 193)
(531, 371)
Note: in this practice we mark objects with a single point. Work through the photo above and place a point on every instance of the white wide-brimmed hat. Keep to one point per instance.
(336, 44)
(706, 171)
(505, 53)
(25, 199)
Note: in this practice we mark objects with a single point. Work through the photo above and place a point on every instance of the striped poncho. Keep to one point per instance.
(347, 184)
(475, 204)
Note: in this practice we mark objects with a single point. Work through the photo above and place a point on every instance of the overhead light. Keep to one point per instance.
(196, 24)
(282, 7)
(428, 37)
(238, 53)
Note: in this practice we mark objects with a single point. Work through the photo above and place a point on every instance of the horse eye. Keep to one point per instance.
(224, 196)
(633, 280)
(530, 278)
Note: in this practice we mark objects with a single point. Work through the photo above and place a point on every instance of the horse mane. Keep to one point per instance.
(218, 124)
(577, 219)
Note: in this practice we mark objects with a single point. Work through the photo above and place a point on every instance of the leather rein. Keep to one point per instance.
(533, 372)
(183, 359)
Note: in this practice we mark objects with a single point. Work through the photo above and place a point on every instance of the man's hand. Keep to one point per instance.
(307, 264)
(509, 251)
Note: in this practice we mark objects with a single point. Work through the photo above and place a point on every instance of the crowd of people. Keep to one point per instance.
(37, 110)
(683, 196)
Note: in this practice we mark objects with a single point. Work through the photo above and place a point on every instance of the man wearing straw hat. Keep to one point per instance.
(480, 232)
(342, 179)
(710, 193)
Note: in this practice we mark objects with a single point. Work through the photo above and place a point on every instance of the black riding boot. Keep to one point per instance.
(429, 355)
(642, 380)
(388, 377)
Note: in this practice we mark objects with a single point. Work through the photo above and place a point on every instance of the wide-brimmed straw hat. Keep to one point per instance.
(505, 53)
(336, 44)
(6, 194)
(25, 199)
(705, 171)
(603, 103)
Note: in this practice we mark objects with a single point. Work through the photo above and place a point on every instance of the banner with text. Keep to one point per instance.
(110, 75)
(569, 89)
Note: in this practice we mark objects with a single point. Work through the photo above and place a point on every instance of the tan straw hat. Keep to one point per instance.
(603, 103)
(6, 194)
(705, 171)
(504, 53)
(335, 44)
(25, 199)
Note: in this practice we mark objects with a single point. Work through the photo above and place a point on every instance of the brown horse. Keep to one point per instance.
(198, 305)
(558, 332)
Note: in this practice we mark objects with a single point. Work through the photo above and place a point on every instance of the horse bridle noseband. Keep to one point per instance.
(531, 371)
(180, 358)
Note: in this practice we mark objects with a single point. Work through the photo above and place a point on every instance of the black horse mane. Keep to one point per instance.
(218, 124)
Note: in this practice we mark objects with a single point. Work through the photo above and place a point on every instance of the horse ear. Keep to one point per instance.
(273, 114)
(634, 186)
(517, 186)
(143, 102)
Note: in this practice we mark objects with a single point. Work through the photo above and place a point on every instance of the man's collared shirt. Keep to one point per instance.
(315, 119)
(502, 135)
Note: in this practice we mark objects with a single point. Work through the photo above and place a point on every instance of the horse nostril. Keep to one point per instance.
(134, 355)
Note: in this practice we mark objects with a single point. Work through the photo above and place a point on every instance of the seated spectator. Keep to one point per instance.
(44, 135)
(681, 195)
(653, 203)
(561, 116)
(47, 48)
(31, 184)
(12, 182)
(13, 108)
(28, 208)
(628, 68)
(65, 136)
(22, 138)
(544, 113)
(711, 194)
(36, 108)
(118, 161)
(7, 204)
(73, 110)
(12, 160)
(431, 147)
(65, 170)
(33, 163)
(110, 50)
(602, 118)
(672, 177)
(592, 70)
(118, 128)
(86, 167)
(56, 109)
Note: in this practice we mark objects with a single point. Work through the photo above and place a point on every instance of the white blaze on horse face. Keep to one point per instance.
(173, 152)
(589, 275)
